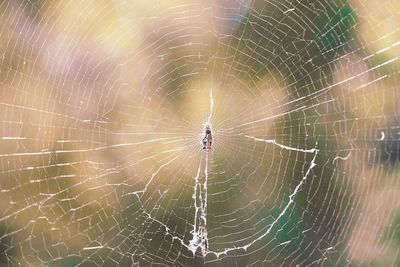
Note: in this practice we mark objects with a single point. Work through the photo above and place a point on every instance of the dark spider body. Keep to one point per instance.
(207, 140)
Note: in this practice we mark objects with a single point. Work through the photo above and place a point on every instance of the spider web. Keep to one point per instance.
(103, 109)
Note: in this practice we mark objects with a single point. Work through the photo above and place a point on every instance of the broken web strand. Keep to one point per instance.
(291, 197)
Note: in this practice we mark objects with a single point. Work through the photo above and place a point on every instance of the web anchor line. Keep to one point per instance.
(199, 232)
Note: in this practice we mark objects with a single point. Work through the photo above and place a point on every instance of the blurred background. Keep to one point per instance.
(103, 105)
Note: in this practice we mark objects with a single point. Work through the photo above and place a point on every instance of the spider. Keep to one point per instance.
(207, 140)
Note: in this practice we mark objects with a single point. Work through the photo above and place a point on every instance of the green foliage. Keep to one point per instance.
(335, 30)
(68, 262)
(393, 231)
